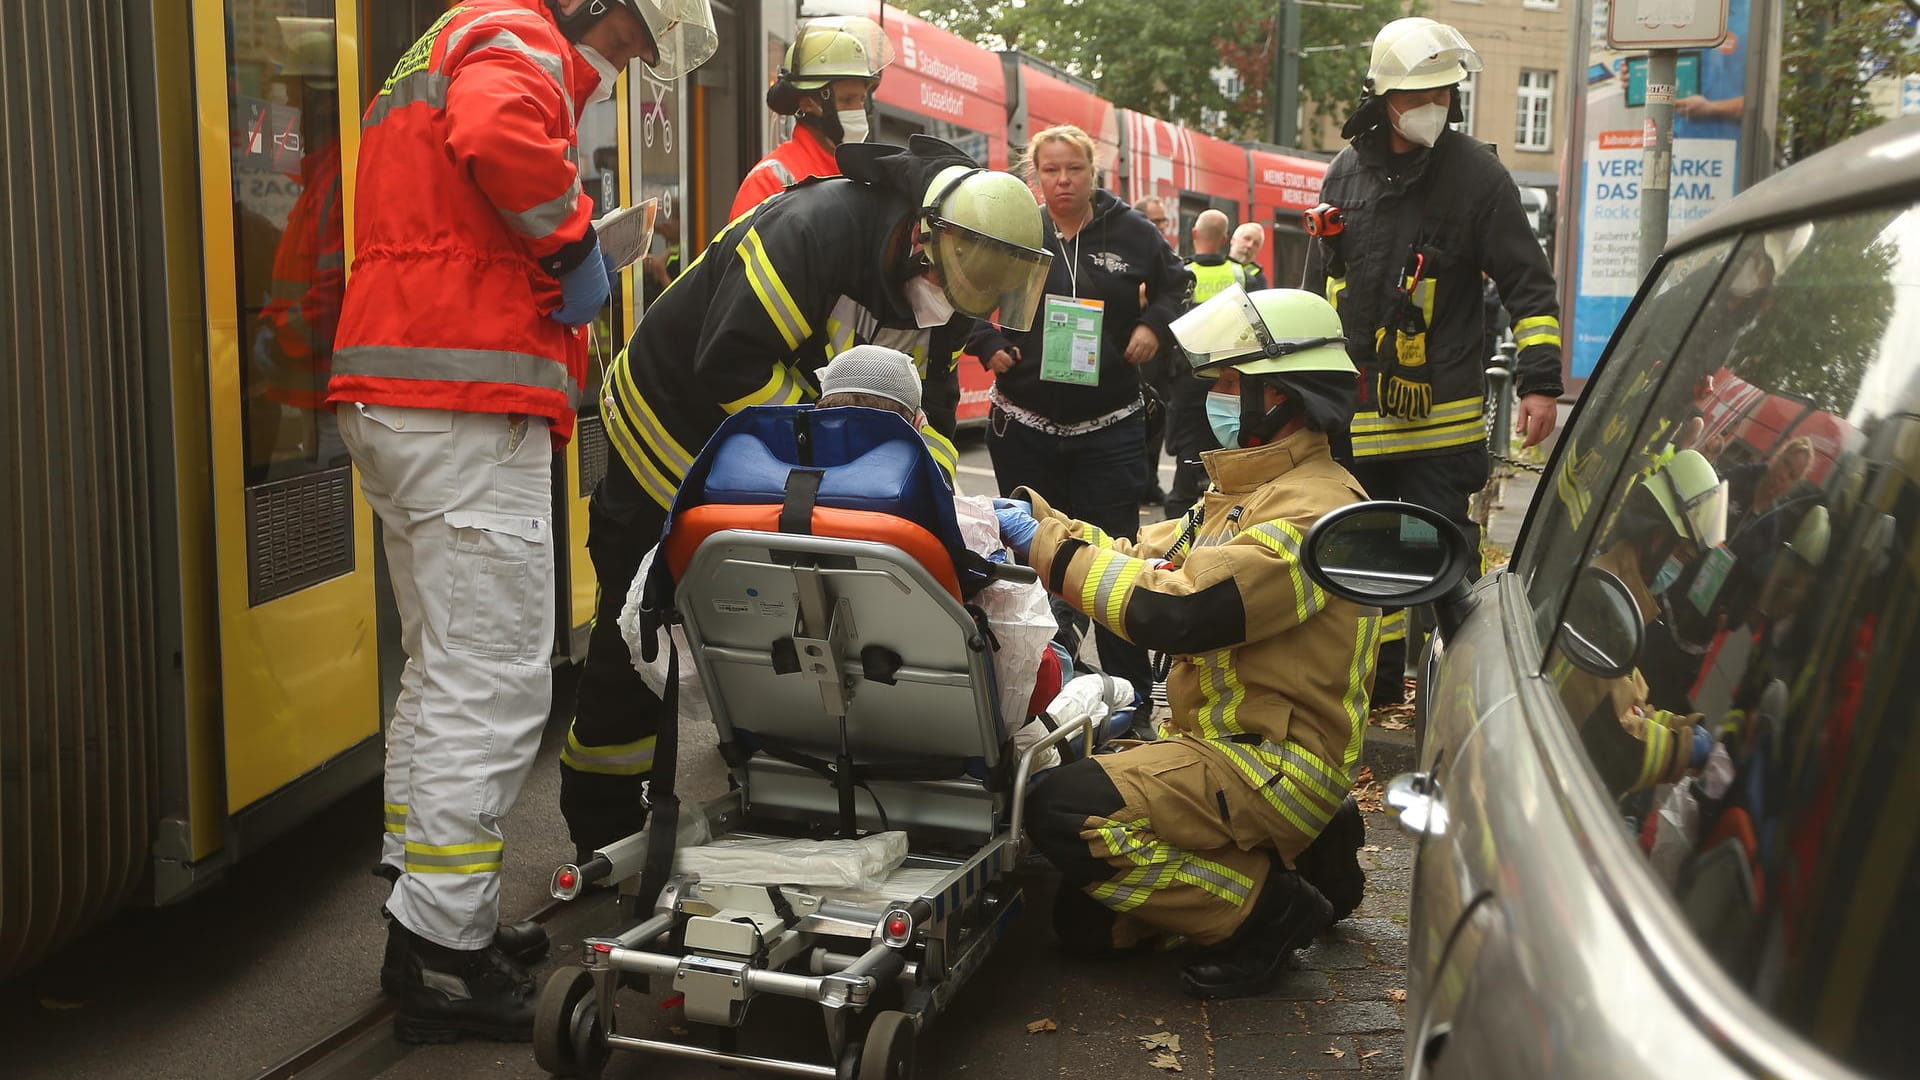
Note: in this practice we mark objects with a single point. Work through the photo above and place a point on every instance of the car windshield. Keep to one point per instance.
(1749, 468)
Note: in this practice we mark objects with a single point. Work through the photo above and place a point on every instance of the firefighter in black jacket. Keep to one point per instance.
(1424, 212)
(905, 250)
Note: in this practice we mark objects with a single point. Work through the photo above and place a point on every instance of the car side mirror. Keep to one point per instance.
(1392, 555)
(1601, 632)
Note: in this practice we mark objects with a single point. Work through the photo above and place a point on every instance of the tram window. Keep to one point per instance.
(290, 257)
(597, 156)
(654, 127)
(1289, 251)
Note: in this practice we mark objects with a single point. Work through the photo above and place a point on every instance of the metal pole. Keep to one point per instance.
(1656, 156)
(1286, 75)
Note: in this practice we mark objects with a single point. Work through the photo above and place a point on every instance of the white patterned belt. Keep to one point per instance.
(1029, 418)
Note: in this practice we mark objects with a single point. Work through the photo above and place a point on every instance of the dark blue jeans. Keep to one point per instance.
(1093, 478)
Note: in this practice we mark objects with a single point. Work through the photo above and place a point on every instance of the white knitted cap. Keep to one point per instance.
(873, 369)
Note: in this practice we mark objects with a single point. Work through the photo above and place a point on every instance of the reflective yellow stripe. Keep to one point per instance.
(621, 759)
(781, 388)
(396, 817)
(1220, 696)
(1538, 330)
(1158, 866)
(1366, 645)
(1335, 286)
(628, 440)
(1106, 585)
(774, 297)
(944, 453)
(1284, 540)
(480, 857)
(841, 337)
(1460, 422)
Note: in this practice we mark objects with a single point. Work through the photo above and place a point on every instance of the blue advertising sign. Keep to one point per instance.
(1705, 173)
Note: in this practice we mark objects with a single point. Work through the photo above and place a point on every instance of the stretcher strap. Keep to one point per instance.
(803, 491)
(664, 826)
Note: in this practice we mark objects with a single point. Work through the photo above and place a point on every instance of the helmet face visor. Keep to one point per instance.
(989, 278)
(1224, 328)
(682, 31)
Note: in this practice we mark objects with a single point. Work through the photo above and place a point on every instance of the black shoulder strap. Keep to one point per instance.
(803, 490)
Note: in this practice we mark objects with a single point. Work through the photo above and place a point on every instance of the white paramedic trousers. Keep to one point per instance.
(465, 503)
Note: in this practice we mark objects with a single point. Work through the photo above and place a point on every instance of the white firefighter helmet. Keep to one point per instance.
(982, 232)
(1692, 496)
(838, 47)
(1270, 332)
(1419, 54)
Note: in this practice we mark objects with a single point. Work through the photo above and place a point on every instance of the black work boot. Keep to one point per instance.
(1285, 917)
(1332, 861)
(525, 942)
(446, 994)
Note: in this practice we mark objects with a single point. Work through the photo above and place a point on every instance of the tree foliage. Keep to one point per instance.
(1158, 56)
(1833, 49)
(1829, 326)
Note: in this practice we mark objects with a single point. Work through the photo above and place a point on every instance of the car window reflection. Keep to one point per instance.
(1762, 516)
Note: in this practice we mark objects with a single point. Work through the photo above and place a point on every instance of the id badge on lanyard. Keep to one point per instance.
(1070, 344)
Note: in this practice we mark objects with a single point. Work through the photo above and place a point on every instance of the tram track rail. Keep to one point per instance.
(364, 1046)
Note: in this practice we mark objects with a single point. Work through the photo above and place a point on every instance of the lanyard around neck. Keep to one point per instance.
(1073, 262)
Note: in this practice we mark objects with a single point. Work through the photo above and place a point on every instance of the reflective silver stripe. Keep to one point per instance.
(510, 41)
(1196, 868)
(1308, 597)
(421, 87)
(1283, 791)
(785, 174)
(456, 365)
(1315, 769)
(540, 221)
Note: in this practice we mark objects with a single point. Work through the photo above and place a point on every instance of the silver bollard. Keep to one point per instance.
(1500, 390)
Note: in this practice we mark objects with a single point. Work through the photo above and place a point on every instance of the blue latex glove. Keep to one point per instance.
(584, 289)
(1017, 525)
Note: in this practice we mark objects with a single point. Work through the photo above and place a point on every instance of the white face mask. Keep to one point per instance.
(931, 307)
(853, 125)
(608, 74)
(1422, 124)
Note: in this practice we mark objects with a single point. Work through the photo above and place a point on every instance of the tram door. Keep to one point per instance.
(293, 540)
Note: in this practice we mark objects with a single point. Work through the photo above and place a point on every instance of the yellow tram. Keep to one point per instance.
(203, 644)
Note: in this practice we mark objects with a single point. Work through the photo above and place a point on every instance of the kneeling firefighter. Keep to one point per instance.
(906, 251)
(1233, 830)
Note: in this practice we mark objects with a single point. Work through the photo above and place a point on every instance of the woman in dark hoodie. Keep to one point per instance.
(1068, 418)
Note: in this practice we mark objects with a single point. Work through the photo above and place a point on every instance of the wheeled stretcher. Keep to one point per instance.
(853, 691)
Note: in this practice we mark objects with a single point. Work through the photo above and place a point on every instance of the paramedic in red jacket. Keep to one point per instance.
(826, 82)
(456, 369)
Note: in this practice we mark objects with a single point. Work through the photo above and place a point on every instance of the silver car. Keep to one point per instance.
(1659, 798)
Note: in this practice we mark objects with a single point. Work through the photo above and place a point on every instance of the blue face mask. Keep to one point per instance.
(1223, 416)
(1668, 573)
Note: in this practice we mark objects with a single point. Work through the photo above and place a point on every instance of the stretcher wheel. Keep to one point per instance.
(888, 1051)
(567, 1040)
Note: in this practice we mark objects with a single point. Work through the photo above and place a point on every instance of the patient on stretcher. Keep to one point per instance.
(1028, 670)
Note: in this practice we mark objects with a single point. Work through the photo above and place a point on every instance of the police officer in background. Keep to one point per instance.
(460, 352)
(905, 250)
(826, 82)
(1426, 211)
(1187, 433)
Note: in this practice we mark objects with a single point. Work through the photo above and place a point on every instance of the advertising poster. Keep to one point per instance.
(1707, 114)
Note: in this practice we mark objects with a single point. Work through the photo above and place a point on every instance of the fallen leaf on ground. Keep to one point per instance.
(1041, 1025)
(1160, 1040)
(1396, 995)
(1365, 1054)
(1159, 1023)
(1393, 725)
(1164, 1060)
(1370, 847)
(1334, 1052)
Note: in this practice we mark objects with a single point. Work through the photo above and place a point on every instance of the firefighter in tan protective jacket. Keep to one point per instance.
(1234, 829)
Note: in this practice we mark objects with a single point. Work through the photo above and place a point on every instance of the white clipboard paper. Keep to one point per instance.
(626, 233)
